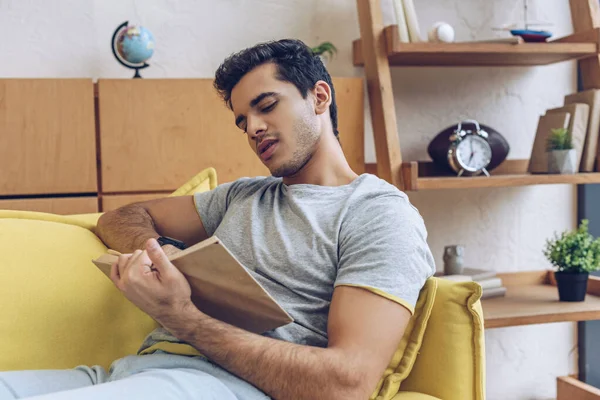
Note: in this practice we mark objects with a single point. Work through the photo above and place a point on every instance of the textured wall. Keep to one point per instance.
(503, 229)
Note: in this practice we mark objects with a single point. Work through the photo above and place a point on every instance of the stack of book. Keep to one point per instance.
(489, 282)
(406, 19)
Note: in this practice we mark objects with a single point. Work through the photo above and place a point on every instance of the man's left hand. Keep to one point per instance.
(150, 281)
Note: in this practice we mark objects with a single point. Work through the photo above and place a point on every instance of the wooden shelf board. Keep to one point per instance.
(480, 54)
(419, 175)
(532, 298)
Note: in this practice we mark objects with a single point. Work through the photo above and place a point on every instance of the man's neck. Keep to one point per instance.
(327, 167)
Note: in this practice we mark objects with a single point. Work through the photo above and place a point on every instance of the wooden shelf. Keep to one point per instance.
(532, 298)
(421, 175)
(482, 54)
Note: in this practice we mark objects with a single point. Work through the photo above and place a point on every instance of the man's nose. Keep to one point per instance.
(256, 126)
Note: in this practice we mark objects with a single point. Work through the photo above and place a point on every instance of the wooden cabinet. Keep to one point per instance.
(157, 134)
(60, 205)
(129, 140)
(112, 202)
(47, 136)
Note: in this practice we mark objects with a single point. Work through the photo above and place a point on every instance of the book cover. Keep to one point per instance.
(478, 274)
(495, 292)
(490, 283)
(590, 148)
(401, 21)
(411, 21)
(222, 287)
(538, 161)
(578, 125)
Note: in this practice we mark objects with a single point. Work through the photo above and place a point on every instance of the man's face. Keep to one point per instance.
(281, 126)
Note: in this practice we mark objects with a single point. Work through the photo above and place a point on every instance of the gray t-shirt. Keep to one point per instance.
(301, 241)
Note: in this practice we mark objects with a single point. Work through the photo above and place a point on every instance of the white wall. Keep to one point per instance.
(504, 229)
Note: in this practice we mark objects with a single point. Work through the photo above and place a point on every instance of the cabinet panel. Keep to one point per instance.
(47, 136)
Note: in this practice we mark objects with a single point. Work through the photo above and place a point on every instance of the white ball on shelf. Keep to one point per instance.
(441, 32)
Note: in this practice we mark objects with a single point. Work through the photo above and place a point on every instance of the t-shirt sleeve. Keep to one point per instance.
(212, 205)
(383, 248)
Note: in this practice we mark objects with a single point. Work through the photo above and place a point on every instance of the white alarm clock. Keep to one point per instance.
(470, 152)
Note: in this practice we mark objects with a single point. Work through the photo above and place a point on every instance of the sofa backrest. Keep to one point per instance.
(451, 360)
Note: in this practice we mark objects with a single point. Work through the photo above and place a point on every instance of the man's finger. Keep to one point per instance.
(159, 259)
(114, 273)
(122, 263)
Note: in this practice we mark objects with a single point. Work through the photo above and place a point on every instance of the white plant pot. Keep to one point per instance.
(562, 161)
(323, 59)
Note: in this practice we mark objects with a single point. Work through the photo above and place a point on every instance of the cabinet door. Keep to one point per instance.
(63, 205)
(112, 202)
(155, 134)
(47, 136)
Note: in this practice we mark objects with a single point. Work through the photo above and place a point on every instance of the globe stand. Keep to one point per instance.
(121, 61)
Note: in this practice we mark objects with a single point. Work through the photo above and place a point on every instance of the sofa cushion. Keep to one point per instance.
(58, 309)
(413, 396)
(406, 353)
(204, 181)
(451, 361)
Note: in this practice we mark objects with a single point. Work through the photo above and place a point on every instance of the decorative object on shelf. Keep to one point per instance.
(562, 157)
(578, 125)
(575, 254)
(528, 35)
(590, 148)
(132, 46)
(468, 148)
(441, 32)
(538, 161)
(453, 259)
(325, 51)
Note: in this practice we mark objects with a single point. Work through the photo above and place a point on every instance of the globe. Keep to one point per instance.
(132, 46)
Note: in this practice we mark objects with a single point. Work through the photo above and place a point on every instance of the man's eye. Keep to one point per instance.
(269, 107)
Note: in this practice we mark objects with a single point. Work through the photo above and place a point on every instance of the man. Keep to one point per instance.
(345, 255)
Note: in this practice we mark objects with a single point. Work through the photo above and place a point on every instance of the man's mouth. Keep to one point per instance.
(266, 149)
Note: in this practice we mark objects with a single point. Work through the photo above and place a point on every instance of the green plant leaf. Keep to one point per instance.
(559, 139)
(326, 49)
(574, 251)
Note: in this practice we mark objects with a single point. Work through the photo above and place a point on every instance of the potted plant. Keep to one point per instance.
(325, 51)
(575, 254)
(562, 157)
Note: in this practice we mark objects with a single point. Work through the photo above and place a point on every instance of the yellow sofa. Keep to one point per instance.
(59, 311)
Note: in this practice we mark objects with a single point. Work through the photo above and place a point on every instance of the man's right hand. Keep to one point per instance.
(170, 250)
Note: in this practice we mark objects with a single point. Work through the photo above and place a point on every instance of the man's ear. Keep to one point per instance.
(322, 93)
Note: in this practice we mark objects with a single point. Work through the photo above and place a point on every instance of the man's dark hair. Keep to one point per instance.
(296, 63)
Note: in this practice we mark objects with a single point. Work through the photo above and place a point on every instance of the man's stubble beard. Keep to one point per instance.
(307, 138)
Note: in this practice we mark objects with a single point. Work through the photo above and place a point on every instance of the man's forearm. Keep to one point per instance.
(126, 229)
(282, 370)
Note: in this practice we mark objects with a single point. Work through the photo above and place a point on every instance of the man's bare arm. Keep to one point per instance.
(359, 349)
(128, 228)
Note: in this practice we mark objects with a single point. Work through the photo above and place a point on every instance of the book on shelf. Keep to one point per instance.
(578, 125)
(221, 286)
(494, 292)
(403, 35)
(538, 160)
(491, 284)
(412, 21)
(590, 149)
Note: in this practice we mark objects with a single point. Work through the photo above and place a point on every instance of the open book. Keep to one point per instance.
(222, 287)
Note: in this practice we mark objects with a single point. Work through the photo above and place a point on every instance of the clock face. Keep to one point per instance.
(473, 153)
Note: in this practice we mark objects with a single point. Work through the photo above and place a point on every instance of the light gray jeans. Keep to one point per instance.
(153, 376)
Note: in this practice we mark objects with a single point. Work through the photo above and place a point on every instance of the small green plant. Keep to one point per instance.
(325, 49)
(574, 251)
(560, 139)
